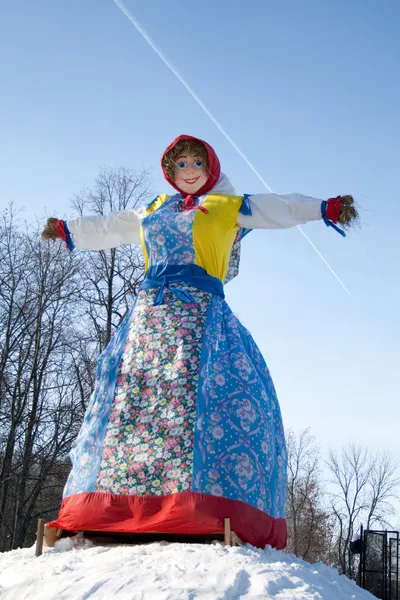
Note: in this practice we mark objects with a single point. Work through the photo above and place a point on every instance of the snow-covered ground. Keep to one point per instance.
(78, 570)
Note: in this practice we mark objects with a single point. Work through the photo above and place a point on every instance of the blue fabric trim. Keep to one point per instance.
(180, 294)
(243, 232)
(245, 209)
(68, 241)
(161, 276)
(199, 454)
(328, 223)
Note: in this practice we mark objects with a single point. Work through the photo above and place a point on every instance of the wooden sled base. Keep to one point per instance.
(52, 535)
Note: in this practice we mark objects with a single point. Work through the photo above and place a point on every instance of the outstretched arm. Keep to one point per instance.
(273, 211)
(270, 211)
(97, 232)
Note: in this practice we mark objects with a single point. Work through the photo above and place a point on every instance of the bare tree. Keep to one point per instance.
(363, 488)
(308, 522)
(39, 288)
(112, 277)
(56, 314)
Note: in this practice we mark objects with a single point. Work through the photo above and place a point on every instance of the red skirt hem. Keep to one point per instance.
(182, 513)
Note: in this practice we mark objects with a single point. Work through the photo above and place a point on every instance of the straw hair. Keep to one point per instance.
(50, 231)
(348, 215)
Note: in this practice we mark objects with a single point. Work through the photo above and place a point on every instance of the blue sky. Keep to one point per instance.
(310, 91)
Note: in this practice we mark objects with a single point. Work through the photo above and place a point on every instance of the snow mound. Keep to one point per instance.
(78, 570)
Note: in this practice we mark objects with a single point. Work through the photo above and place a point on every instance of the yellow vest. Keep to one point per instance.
(213, 233)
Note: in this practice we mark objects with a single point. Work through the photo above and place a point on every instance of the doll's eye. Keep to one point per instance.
(198, 163)
(182, 165)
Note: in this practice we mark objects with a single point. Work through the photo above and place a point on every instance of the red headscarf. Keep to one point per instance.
(213, 165)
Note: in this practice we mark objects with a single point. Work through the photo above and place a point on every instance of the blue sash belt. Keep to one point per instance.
(161, 276)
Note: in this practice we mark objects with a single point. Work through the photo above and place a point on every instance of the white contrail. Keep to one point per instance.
(195, 97)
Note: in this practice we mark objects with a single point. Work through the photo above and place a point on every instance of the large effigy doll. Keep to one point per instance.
(184, 428)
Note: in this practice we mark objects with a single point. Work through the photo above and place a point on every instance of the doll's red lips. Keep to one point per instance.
(191, 181)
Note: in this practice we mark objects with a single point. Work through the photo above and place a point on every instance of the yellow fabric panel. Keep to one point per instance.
(159, 201)
(215, 232)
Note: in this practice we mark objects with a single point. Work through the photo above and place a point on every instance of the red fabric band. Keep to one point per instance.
(333, 208)
(61, 230)
(181, 513)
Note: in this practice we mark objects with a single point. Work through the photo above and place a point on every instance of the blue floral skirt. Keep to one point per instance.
(184, 407)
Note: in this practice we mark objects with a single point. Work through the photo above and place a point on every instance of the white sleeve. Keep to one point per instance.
(270, 211)
(102, 233)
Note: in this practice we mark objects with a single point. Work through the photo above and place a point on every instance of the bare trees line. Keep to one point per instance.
(328, 501)
(56, 315)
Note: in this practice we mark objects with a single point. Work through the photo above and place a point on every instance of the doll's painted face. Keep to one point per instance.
(190, 173)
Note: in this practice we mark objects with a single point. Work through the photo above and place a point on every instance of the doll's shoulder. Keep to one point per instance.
(155, 203)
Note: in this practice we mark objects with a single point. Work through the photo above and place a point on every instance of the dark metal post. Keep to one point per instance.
(361, 568)
(397, 574)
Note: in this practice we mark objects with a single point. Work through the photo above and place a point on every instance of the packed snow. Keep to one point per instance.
(78, 570)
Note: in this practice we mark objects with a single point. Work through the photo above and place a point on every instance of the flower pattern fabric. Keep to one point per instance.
(168, 234)
(240, 448)
(148, 446)
(234, 259)
(86, 452)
